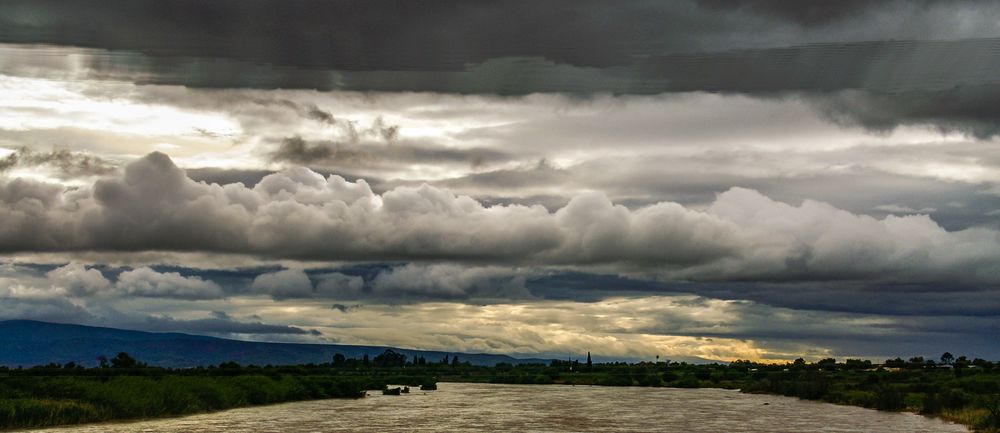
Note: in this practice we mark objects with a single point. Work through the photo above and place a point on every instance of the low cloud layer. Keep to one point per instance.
(75, 293)
(65, 163)
(513, 310)
(297, 213)
(78, 280)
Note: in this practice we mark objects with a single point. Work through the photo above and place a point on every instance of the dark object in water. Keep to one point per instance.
(428, 387)
(406, 390)
(392, 391)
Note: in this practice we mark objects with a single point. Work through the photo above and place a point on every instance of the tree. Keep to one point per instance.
(947, 358)
(895, 363)
(364, 360)
(991, 402)
(339, 360)
(390, 358)
(888, 397)
(982, 363)
(960, 363)
(454, 361)
(857, 364)
(589, 362)
(123, 360)
(102, 361)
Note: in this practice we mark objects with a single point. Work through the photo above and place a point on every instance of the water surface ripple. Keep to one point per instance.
(465, 407)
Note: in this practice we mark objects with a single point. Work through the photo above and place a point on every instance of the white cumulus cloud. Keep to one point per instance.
(299, 214)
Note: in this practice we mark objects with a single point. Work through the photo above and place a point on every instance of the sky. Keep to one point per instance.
(694, 180)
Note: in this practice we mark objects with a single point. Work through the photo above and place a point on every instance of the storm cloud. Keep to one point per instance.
(878, 64)
(299, 214)
(66, 163)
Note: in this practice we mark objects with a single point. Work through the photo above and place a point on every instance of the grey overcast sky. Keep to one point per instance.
(761, 179)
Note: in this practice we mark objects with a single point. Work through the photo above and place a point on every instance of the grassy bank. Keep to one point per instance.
(50, 396)
(33, 401)
(969, 396)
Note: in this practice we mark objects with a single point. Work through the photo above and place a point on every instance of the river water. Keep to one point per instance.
(464, 407)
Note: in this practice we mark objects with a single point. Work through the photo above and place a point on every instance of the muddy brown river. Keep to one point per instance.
(465, 407)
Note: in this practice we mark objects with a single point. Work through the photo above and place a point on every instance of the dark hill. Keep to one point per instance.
(29, 343)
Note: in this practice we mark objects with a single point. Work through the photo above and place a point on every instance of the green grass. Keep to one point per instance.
(33, 401)
(42, 397)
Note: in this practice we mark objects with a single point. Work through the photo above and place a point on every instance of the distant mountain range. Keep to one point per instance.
(29, 343)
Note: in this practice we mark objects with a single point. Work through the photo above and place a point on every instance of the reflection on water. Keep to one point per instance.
(463, 407)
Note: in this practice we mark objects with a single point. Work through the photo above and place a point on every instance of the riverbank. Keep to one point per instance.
(33, 401)
(50, 397)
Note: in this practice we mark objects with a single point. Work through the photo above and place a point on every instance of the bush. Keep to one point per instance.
(615, 380)
(22, 413)
(686, 382)
(44, 401)
(888, 397)
(931, 404)
(954, 398)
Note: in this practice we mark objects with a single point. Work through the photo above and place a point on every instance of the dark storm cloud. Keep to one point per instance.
(968, 108)
(885, 299)
(345, 308)
(843, 333)
(65, 163)
(354, 132)
(807, 13)
(309, 111)
(384, 155)
(441, 35)
(49, 310)
(355, 35)
(876, 64)
(217, 324)
(888, 299)
(296, 150)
